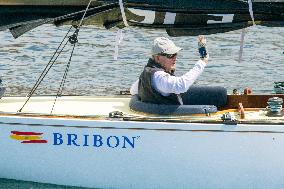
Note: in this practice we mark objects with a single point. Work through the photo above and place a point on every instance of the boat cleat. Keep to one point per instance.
(229, 119)
(116, 114)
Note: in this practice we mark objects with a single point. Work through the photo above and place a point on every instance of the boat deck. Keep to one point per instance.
(66, 105)
(100, 107)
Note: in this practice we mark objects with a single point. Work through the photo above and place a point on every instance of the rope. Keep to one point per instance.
(242, 45)
(73, 39)
(119, 34)
(243, 32)
(251, 11)
(50, 63)
(123, 13)
(46, 69)
(84, 14)
(118, 39)
(60, 90)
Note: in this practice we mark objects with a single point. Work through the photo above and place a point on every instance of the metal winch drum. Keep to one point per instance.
(275, 106)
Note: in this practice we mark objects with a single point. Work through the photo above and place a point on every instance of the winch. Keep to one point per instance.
(274, 106)
(279, 87)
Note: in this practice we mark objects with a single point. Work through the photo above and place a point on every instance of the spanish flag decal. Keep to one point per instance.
(27, 137)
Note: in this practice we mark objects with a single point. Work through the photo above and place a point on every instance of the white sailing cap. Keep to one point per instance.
(165, 46)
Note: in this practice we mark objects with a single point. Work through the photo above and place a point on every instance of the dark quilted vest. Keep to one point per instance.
(145, 90)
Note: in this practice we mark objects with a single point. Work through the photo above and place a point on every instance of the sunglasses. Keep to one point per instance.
(168, 55)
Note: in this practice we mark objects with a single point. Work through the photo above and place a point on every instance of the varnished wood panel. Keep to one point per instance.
(250, 101)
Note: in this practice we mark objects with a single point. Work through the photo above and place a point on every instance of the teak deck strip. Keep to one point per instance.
(250, 101)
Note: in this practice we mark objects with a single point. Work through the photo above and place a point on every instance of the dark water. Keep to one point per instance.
(94, 72)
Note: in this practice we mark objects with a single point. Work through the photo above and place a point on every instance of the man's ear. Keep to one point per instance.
(157, 58)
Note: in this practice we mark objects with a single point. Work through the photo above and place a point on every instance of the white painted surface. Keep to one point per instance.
(165, 155)
(75, 105)
(170, 18)
(186, 157)
(148, 14)
(226, 18)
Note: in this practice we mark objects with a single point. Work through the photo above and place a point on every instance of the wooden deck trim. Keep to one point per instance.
(33, 115)
(249, 101)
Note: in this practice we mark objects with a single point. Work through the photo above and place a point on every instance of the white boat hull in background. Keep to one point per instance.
(157, 154)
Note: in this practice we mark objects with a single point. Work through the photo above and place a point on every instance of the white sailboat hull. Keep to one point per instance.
(96, 153)
(79, 145)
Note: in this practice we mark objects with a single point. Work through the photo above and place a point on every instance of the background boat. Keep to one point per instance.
(182, 18)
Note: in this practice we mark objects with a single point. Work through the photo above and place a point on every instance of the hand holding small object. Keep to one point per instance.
(202, 49)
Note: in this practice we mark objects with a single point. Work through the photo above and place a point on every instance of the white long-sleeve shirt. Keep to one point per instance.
(165, 84)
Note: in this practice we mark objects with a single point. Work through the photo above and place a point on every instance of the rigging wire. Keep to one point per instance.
(46, 69)
(50, 63)
(60, 90)
(87, 8)
(73, 39)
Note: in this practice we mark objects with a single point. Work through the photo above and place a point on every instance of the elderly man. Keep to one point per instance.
(157, 83)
